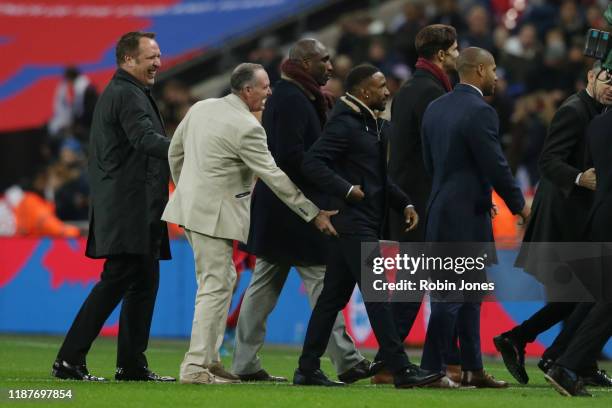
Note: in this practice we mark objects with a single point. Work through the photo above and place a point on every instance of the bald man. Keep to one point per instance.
(462, 153)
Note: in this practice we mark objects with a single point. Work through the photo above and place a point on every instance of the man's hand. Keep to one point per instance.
(524, 214)
(323, 223)
(494, 211)
(411, 217)
(356, 194)
(588, 179)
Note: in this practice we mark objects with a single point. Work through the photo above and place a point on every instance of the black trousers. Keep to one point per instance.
(133, 279)
(589, 339)
(343, 272)
(542, 320)
(568, 332)
(404, 316)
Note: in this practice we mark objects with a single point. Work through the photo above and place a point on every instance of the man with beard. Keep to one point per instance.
(436, 46)
(293, 119)
(565, 192)
(349, 162)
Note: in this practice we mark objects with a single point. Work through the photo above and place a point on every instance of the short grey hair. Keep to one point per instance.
(243, 75)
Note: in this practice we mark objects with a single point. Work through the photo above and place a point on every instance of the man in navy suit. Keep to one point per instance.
(462, 153)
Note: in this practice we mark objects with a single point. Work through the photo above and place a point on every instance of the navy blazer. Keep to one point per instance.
(353, 150)
(462, 152)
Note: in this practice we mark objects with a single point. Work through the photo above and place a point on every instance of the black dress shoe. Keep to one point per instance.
(414, 376)
(513, 355)
(143, 374)
(377, 367)
(545, 364)
(566, 382)
(597, 378)
(316, 377)
(66, 371)
(361, 370)
(261, 375)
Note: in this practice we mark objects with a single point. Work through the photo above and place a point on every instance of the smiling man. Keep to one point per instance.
(128, 172)
(216, 151)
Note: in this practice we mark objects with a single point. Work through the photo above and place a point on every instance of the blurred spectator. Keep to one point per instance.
(404, 36)
(530, 121)
(571, 21)
(355, 37)
(342, 65)
(25, 211)
(478, 33)
(269, 56)
(447, 12)
(73, 104)
(175, 101)
(69, 179)
(520, 57)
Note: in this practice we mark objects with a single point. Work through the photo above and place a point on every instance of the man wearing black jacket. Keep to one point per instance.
(128, 170)
(565, 193)
(595, 329)
(354, 145)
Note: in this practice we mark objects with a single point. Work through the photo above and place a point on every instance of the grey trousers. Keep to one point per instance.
(259, 300)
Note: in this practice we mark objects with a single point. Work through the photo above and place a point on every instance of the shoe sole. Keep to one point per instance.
(557, 386)
(512, 366)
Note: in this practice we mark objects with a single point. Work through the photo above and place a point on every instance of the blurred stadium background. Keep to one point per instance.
(59, 54)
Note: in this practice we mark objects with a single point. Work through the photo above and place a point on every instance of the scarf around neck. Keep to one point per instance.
(436, 71)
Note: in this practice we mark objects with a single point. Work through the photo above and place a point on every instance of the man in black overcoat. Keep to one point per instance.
(436, 46)
(128, 170)
(595, 329)
(560, 209)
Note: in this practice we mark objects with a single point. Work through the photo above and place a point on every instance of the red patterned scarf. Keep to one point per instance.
(436, 71)
(323, 101)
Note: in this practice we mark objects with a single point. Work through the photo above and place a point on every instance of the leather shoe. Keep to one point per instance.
(566, 382)
(597, 378)
(261, 375)
(361, 370)
(143, 374)
(453, 372)
(66, 371)
(383, 376)
(316, 377)
(481, 379)
(513, 355)
(414, 376)
(545, 364)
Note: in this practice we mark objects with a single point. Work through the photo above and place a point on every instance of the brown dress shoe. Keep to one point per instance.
(481, 379)
(384, 376)
(454, 372)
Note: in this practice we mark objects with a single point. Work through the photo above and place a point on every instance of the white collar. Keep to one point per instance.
(475, 87)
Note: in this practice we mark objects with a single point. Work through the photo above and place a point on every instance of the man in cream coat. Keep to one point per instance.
(215, 153)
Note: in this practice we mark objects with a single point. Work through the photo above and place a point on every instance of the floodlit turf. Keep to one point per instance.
(25, 363)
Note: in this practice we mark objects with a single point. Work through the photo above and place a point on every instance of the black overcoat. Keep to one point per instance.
(129, 174)
(406, 154)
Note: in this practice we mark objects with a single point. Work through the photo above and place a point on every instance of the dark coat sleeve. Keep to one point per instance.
(482, 136)
(318, 160)
(564, 134)
(290, 125)
(136, 122)
(398, 200)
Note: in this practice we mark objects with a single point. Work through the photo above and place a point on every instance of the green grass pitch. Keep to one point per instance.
(25, 363)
